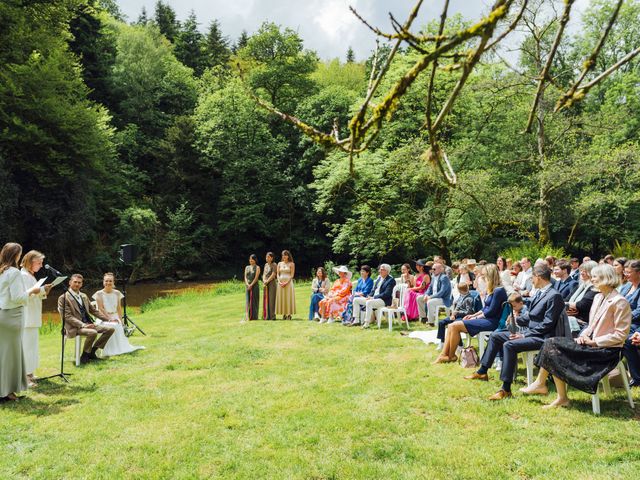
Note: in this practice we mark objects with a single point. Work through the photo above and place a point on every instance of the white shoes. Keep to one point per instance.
(316, 316)
(323, 320)
(439, 346)
(331, 320)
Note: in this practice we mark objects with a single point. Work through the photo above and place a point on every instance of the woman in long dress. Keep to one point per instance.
(422, 281)
(13, 296)
(251, 278)
(109, 302)
(32, 313)
(269, 284)
(285, 294)
(335, 302)
(319, 288)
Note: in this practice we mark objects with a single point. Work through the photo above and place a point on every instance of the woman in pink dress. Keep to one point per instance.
(422, 279)
(335, 302)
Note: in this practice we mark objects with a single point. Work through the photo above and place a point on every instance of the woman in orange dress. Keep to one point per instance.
(335, 302)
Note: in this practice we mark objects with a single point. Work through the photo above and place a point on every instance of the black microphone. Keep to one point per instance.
(53, 270)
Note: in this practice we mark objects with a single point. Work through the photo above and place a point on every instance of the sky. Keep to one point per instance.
(326, 26)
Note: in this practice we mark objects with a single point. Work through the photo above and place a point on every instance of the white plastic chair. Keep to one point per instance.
(447, 312)
(400, 310)
(606, 388)
(78, 347)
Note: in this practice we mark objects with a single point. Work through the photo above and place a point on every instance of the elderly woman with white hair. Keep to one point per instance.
(333, 305)
(583, 362)
(380, 297)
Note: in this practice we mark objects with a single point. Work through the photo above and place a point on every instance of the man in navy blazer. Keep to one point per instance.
(566, 285)
(438, 293)
(575, 269)
(540, 322)
(381, 296)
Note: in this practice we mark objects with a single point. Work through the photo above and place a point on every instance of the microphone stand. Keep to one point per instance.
(62, 373)
(126, 320)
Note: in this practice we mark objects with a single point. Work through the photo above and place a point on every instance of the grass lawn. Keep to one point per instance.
(214, 398)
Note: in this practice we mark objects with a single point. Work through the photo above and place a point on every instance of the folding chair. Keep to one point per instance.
(606, 388)
(400, 310)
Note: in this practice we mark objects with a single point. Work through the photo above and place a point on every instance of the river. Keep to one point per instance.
(136, 295)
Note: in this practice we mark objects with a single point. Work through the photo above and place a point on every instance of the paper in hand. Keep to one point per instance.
(58, 281)
(40, 282)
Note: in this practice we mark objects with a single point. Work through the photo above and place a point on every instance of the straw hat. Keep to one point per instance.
(342, 268)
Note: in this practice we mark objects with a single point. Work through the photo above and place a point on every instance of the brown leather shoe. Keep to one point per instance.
(477, 376)
(501, 395)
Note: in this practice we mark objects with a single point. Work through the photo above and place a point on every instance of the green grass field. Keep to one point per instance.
(214, 398)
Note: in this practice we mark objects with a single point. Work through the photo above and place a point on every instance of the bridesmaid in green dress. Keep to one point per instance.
(251, 278)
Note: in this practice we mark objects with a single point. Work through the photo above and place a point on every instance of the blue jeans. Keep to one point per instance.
(315, 302)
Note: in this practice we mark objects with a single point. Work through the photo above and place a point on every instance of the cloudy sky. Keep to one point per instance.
(326, 26)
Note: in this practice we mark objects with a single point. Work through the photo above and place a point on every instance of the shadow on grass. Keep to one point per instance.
(68, 394)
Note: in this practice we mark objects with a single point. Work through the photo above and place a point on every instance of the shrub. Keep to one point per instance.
(533, 251)
(626, 249)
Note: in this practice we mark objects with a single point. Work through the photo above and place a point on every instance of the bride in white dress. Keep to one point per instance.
(109, 302)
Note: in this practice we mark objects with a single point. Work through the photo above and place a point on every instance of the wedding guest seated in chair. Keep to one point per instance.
(462, 306)
(76, 309)
(364, 287)
(319, 288)
(540, 322)
(333, 305)
(380, 297)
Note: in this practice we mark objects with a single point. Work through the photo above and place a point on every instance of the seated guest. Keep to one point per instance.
(609, 259)
(540, 322)
(631, 291)
(575, 269)
(422, 282)
(522, 283)
(438, 293)
(462, 306)
(380, 297)
(586, 259)
(619, 264)
(333, 305)
(109, 302)
(566, 285)
(505, 274)
(406, 275)
(319, 287)
(364, 287)
(579, 304)
(480, 281)
(486, 319)
(583, 362)
(464, 277)
(75, 307)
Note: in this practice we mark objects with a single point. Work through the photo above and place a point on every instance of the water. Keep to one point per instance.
(136, 295)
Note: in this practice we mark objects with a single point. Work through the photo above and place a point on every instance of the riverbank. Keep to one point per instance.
(211, 397)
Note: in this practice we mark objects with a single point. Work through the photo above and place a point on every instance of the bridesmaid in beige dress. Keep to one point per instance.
(285, 293)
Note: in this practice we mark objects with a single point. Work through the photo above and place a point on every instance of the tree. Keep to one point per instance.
(351, 57)
(216, 46)
(165, 19)
(242, 41)
(55, 144)
(189, 45)
(142, 18)
(279, 65)
(95, 47)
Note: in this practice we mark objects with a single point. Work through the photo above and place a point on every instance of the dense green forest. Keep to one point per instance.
(145, 132)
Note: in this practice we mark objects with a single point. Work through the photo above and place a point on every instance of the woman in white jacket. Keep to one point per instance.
(32, 313)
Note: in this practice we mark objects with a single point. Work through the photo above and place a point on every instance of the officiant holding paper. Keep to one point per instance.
(32, 312)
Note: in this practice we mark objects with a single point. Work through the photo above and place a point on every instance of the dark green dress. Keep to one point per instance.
(253, 294)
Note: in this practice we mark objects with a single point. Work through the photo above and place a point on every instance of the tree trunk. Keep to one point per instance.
(543, 195)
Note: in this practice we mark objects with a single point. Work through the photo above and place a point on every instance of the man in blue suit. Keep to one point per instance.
(438, 293)
(575, 269)
(381, 296)
(541, 321)
(566, 285)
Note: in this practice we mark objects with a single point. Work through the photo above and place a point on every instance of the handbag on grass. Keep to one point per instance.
(469, 358)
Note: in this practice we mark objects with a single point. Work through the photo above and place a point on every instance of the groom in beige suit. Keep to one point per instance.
(77, 321)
